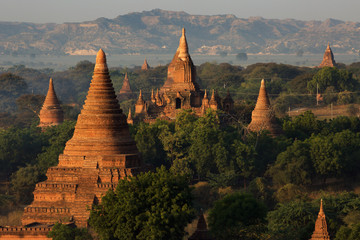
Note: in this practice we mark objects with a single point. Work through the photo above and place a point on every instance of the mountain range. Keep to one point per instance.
(158, 31)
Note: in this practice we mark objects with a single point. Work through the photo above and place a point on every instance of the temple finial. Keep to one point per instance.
(183, 47)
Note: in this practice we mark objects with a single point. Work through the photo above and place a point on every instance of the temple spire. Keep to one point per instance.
(262, 117)
(51, 112)
(126, 89)
(101, 120)
(328, 59)
(145, 65)
(183, 47)
(320, 232)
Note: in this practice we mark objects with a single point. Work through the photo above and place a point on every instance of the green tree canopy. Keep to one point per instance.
(149, 206)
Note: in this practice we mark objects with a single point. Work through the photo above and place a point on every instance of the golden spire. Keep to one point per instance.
(152, 96)
(183, 47)
(213, 95)
(205, 95)
(320, 232)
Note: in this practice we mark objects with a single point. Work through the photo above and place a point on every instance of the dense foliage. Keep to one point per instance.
(149, 206)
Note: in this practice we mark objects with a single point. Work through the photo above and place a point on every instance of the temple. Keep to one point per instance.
(320, 232)
(180, 91)
(100, 153)
(262, 117)
(51, 113)
(145, 65)
(201, 232)
(328, 59)
(125, 92)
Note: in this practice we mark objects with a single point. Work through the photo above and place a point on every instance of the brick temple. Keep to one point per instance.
(263, 117)
(180, 91)
(100, 153)
(51, 113)
(320, 232)
(328, 59)
(145, 65)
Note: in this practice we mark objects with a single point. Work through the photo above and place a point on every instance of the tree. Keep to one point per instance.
(326, 77)
(64, 232)
(233, 213)
(294, 166)
(292, 220)
(149, 206)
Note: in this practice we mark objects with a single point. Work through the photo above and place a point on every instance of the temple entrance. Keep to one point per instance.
(177, 103)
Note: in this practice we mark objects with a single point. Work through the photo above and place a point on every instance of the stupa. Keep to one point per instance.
(262, 117)
(180, 90)
(201, 232)
(320, 232)
(328, 59)
(100, 153)
(145, 65)
(51, 113)
(126, 89)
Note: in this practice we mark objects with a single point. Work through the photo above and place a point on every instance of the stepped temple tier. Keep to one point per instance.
(100, 153)
(51, 113)
(262, 117)
(320, 232)
(180, 91)
(328, 59)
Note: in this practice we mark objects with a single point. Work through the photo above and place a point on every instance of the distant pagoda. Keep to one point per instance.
(320, 232)
(201, 232)
(126, 89)
(262, 117)
(328, 59)
(145, 65)
(180, 91)
(51, 113)
(100, 153)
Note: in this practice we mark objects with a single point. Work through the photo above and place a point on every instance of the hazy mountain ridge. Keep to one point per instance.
(159, 30)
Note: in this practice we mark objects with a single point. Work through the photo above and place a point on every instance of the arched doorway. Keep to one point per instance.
(177, 103)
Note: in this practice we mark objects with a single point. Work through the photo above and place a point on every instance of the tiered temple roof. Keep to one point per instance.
(328, 59)
(262, 117)
(51, 112)
(180, 91)
(100, 153)
(320, 232)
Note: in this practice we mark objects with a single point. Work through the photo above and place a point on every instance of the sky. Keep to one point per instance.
(59, 11)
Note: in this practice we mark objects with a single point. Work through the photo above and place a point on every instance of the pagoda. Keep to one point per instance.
(328, 59)
(201, 232)
(320, 232)
(145, 65)
(125, 92)
(100, 153)
(51, 113)
(180, 90)
(126, 89)
(262, 117)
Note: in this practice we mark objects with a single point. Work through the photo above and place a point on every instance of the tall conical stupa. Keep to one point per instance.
(51, 113)
(126, 89)
(320, 232)
(328, 59)
(262, 117)
(100, 153)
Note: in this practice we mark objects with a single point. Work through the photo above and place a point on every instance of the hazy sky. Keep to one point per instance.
(60, 11)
